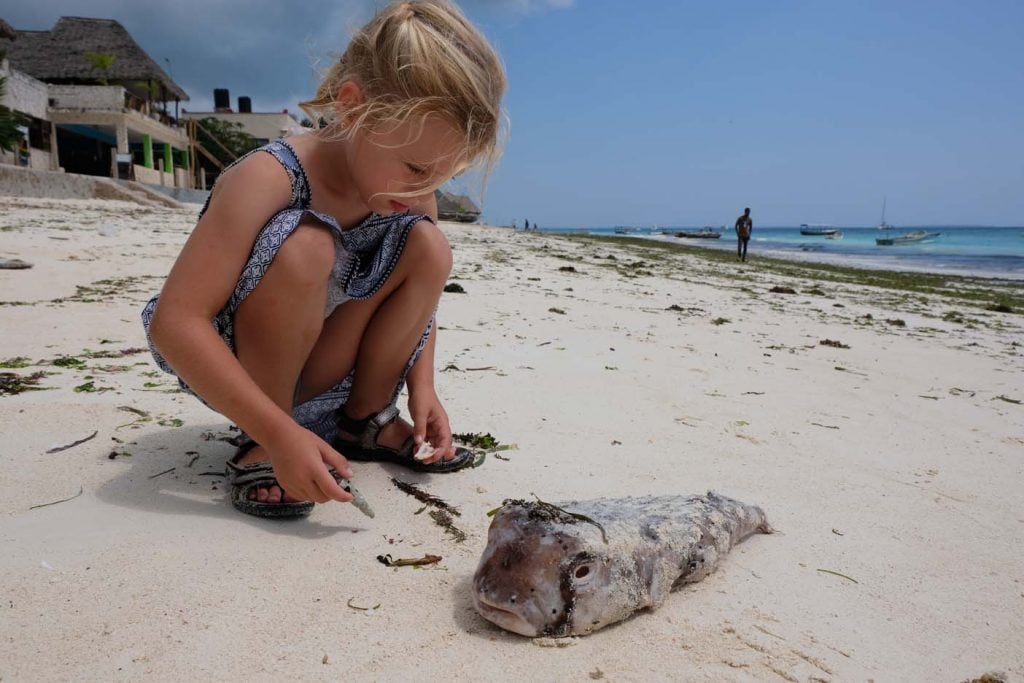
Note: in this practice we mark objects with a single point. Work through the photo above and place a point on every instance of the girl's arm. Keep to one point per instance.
(202, 279)
(430, 420)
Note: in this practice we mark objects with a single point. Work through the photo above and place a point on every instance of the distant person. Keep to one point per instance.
(744, 226)
(527, 225)
(316, 329)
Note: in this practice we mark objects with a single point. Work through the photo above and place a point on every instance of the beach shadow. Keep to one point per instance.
(180, 471)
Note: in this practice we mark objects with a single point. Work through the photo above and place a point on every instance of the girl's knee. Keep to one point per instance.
(428, 252)
(307, 255)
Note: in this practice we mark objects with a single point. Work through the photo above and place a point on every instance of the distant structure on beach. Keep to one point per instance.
(456, 207)
(95, 101)
(264, 126)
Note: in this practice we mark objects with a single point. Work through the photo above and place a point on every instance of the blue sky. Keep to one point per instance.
(678, 113)
(684, 113)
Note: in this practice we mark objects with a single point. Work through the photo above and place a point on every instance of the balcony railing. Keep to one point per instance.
(107, 98)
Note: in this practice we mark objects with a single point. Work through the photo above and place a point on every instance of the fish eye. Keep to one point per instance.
(582, 571)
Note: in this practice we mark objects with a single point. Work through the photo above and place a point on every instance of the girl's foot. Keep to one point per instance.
(270, 494)
(392, 435)
(385, 437)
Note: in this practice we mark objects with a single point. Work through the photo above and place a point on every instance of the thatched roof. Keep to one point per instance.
(7, 31)
(456, 207)
(58, 55)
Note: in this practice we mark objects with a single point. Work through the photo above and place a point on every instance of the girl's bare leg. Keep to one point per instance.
(378, 335)
(278, 324)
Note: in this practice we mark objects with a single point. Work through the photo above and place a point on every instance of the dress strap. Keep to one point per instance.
(286, 156)
(283, 152)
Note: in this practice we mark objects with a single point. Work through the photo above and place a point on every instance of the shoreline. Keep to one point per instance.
(901, 259)
(876, 418)
(989, 290)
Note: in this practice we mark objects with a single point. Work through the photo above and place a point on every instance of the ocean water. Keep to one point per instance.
(958, 250)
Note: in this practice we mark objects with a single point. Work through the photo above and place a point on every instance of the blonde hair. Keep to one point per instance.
(418, 58)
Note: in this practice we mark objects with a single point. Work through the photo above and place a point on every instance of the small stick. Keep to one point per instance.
(136, 411)
(387, 561)
(160, 474)
(58, 449)
(844, 576)
(62, 500)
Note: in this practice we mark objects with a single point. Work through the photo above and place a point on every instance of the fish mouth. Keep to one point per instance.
(506, 619)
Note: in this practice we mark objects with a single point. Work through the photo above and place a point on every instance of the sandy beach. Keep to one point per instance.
(890, 460)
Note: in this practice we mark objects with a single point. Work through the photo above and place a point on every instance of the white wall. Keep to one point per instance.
(24, 93)
(92, 97)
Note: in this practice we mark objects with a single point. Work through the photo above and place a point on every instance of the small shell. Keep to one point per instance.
(358, 500)
(425, 451)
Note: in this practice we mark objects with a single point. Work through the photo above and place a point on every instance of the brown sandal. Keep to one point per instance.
(244, 478)
(366, 448)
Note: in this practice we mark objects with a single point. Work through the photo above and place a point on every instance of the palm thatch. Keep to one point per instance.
(7, 31)
(456, 207)
(67, 54)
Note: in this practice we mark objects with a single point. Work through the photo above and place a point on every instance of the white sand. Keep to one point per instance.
(903, 472)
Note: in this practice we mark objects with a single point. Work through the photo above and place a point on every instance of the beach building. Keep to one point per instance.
(264, 126)
(456, 207)
(96, 102)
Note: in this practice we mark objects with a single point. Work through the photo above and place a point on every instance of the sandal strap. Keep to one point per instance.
(367, 429)
(263, 474)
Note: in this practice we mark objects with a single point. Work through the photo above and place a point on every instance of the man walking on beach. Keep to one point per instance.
(744, 226)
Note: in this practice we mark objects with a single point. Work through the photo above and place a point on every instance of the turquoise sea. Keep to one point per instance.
(958, 250)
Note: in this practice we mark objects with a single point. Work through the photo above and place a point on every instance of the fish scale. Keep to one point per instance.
(575, 567)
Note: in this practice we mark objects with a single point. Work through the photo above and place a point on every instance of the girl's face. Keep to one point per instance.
(414, 157)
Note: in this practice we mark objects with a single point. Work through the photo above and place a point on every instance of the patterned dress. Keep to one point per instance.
(365, 255)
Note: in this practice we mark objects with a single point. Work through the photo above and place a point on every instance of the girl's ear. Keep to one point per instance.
(349, 96)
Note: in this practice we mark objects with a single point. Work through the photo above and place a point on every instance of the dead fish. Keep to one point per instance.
(572, 568)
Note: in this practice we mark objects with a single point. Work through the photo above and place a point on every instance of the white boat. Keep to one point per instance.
(907, 238)
(812, 230)
(883, 225)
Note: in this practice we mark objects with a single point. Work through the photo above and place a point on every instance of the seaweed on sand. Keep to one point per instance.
(550, 512)
(444, 520)
(11, 383)
(424, 497)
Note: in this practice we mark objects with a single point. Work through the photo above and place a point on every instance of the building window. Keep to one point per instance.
(39, 134)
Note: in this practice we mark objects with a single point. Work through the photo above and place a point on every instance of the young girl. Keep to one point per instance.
(319, 263)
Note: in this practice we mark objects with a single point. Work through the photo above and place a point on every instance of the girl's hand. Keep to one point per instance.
(300, 459)
(430, 423)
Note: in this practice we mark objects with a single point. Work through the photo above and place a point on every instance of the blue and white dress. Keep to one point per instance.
(365, 255)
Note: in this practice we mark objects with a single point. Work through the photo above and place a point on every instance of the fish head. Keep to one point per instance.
(543, 573)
